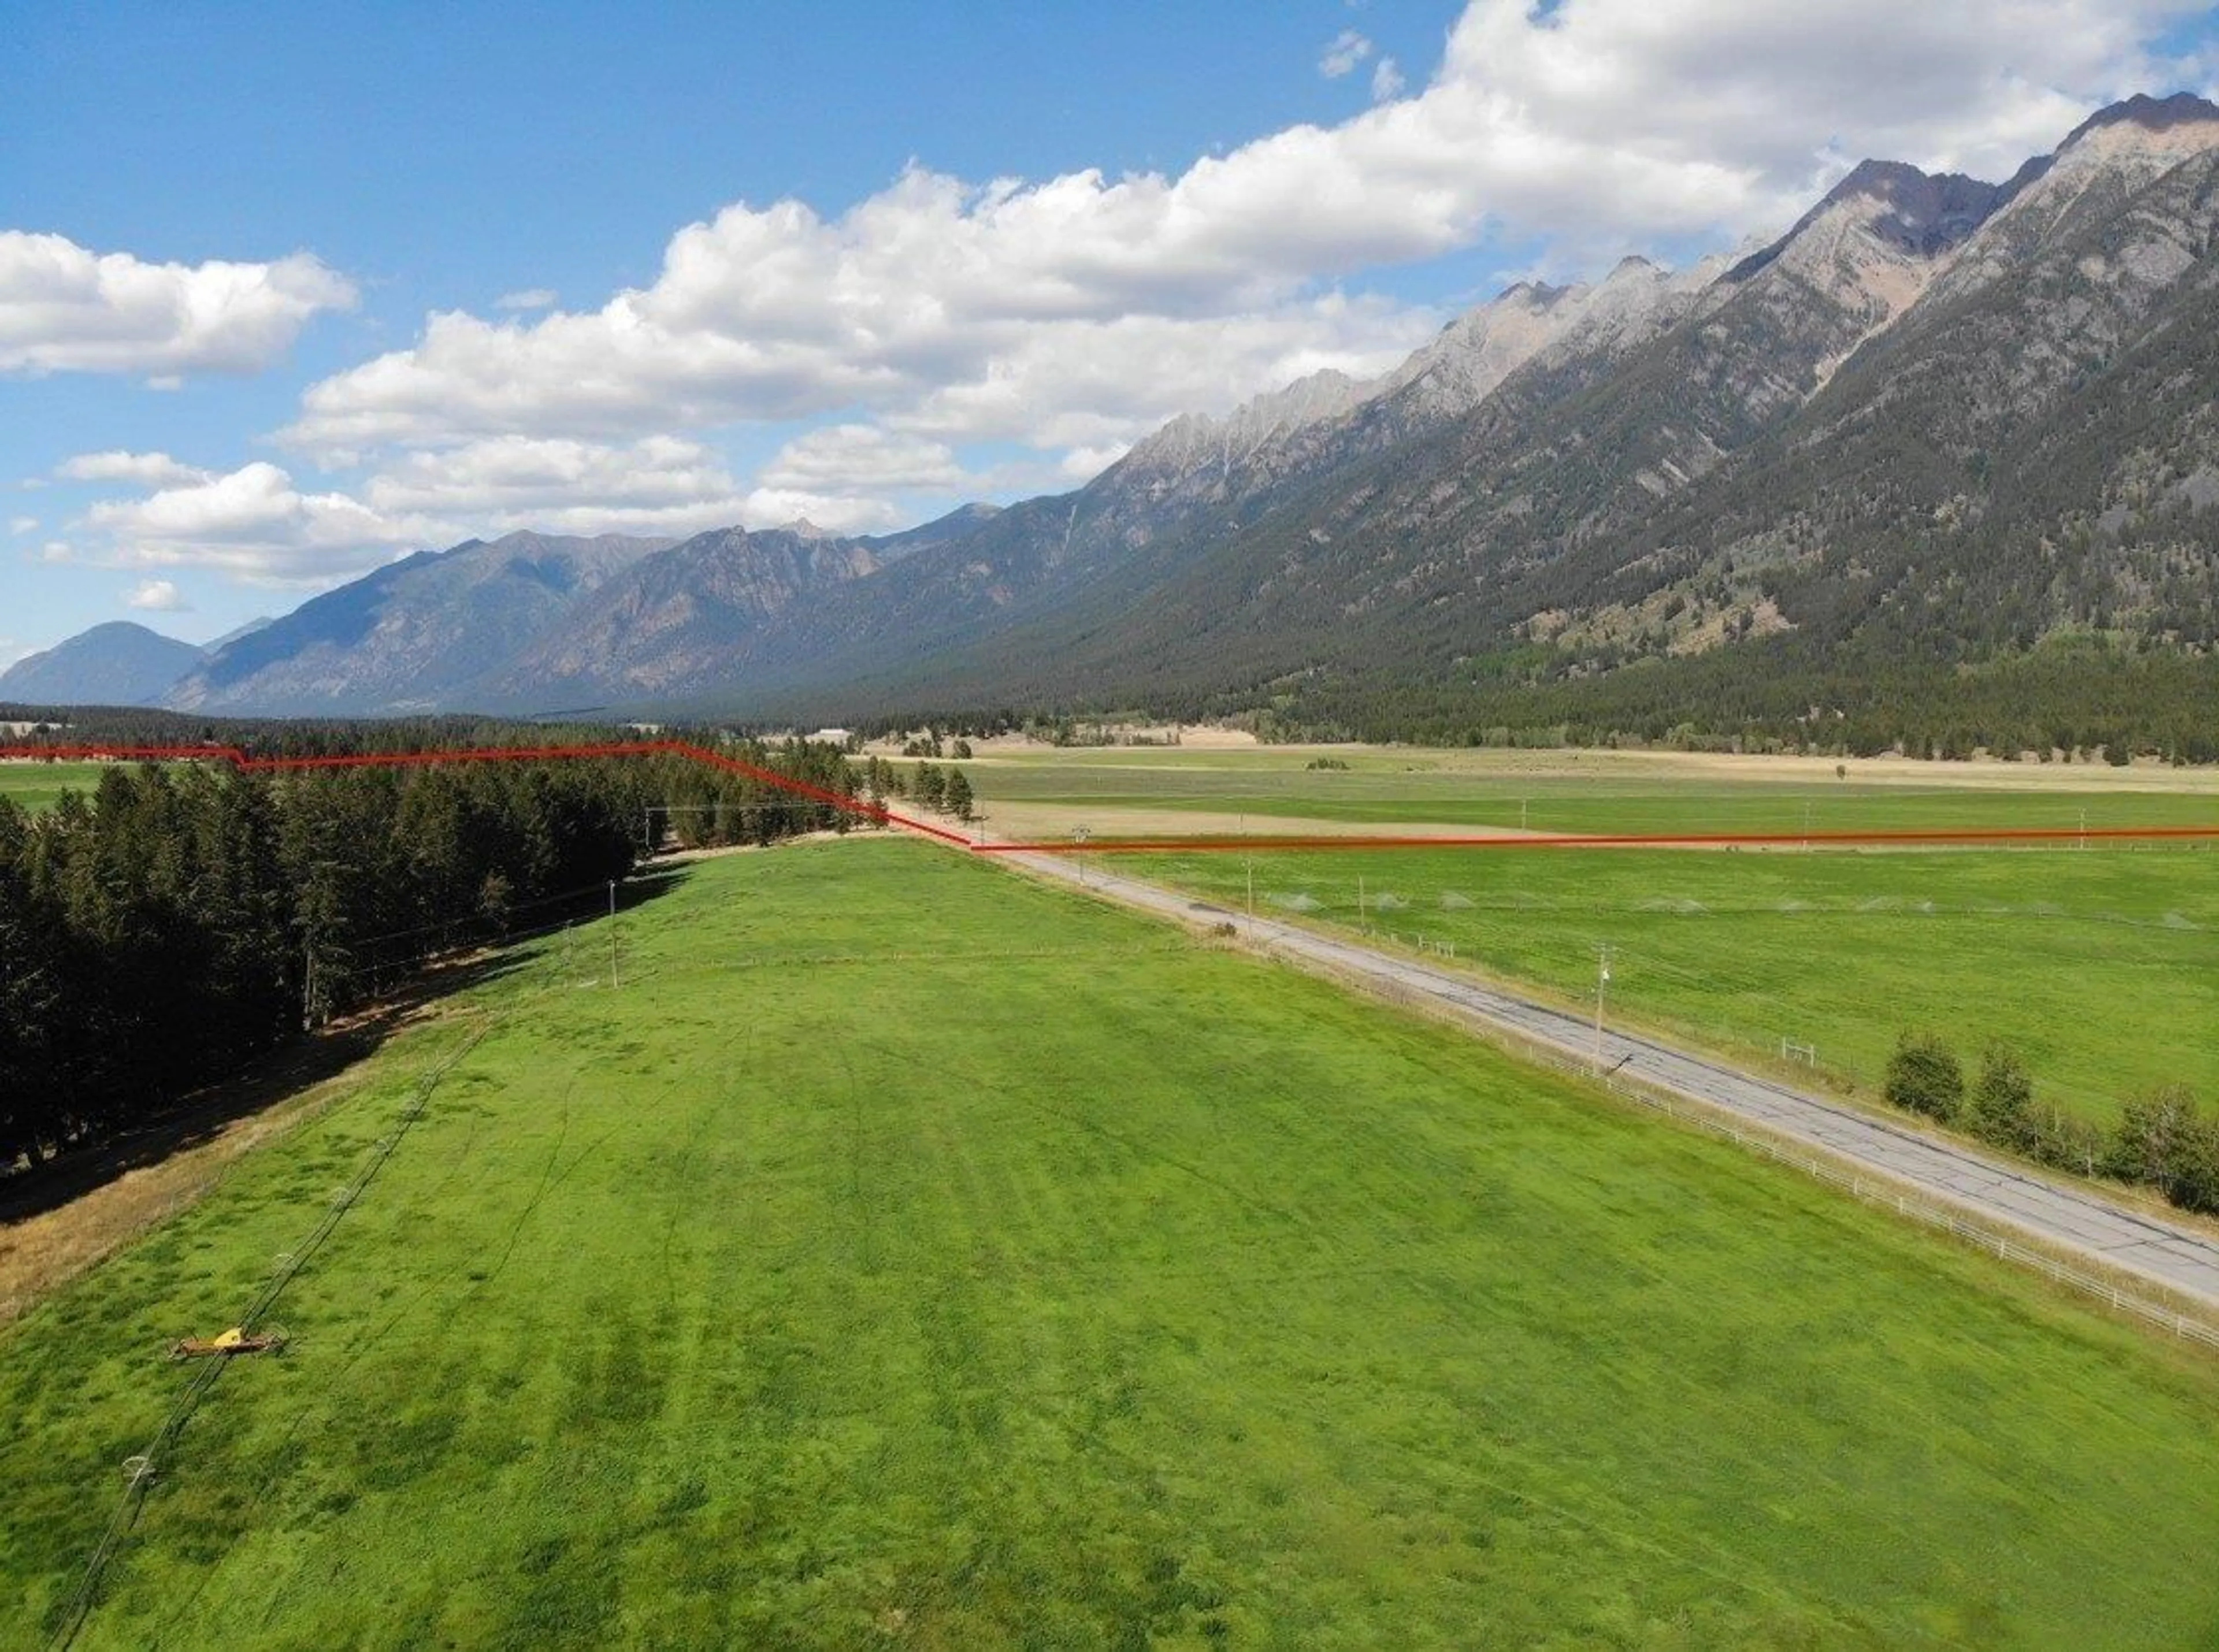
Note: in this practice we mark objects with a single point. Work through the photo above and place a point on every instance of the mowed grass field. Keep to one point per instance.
(2100, 966)
(1586, 792)
(909, 1255)
(37, 785)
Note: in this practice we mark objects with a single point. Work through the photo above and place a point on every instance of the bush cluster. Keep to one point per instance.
(2161, 1140)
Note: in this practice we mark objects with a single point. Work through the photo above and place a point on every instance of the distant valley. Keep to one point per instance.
(1944, 446)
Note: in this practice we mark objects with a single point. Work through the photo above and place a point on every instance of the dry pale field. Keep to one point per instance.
(1652, 766)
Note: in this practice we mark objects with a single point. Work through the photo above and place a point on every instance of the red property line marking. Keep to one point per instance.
(840, 800)
(247, 765)
(1609, 840)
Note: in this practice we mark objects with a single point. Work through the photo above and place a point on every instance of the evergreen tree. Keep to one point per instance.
(1925, 1077)
(2002, 1111)
(956, 795)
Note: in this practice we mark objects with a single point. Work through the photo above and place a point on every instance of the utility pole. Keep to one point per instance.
(2083, 829)
(1602, 985)
(1807, 823)
(612, 932)
(1521, 814)
(1249, 859)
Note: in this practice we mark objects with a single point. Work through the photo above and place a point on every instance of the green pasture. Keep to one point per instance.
(909, 1255)
(2101, 966)
(1384, 787)
(40, 786)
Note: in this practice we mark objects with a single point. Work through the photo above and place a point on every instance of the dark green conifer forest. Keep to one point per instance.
(183, 918)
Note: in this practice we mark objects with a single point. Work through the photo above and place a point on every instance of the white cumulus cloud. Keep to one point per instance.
(531, 298)
(778, 508)
(22, 524)
(158, 596)
(1387, 80)
(255, 525)
(863, 459)
(1347, 49)
(63, 308)
(660, 484)
(141, 469)
(1078, 311)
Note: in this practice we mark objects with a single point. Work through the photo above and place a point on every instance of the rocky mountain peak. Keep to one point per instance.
(2108, 157)
(1914, 214)
(1193, 438)
(1481, 348)
(2149, 115)
(2136, 140)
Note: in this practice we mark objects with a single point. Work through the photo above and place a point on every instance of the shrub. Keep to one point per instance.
(2066, 1143)
(2002, 1111)
(1925, 1077)
(2163, 1142)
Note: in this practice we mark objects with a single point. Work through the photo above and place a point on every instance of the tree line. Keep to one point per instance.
(946, 790)
(2161, 1140)
(181, 919)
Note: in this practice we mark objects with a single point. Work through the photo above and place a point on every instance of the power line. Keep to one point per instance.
(141, 1469)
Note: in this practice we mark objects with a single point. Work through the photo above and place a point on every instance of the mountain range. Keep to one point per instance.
(1940, 424)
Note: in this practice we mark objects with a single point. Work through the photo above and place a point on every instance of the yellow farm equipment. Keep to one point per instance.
(237, 1340)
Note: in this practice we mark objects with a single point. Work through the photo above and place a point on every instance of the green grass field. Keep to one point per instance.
(37, 785)
(2095, 966)
(909, 1255)
(1548, 791)
(2099, 966)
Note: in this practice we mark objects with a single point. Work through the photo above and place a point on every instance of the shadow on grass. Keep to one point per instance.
(308, 1060)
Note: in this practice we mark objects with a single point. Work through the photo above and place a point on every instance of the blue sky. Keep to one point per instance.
(285, 292)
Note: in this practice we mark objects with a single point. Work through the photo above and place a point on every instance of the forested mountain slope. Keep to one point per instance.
(415, 635)
(1938, 423)
(1939, 431)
